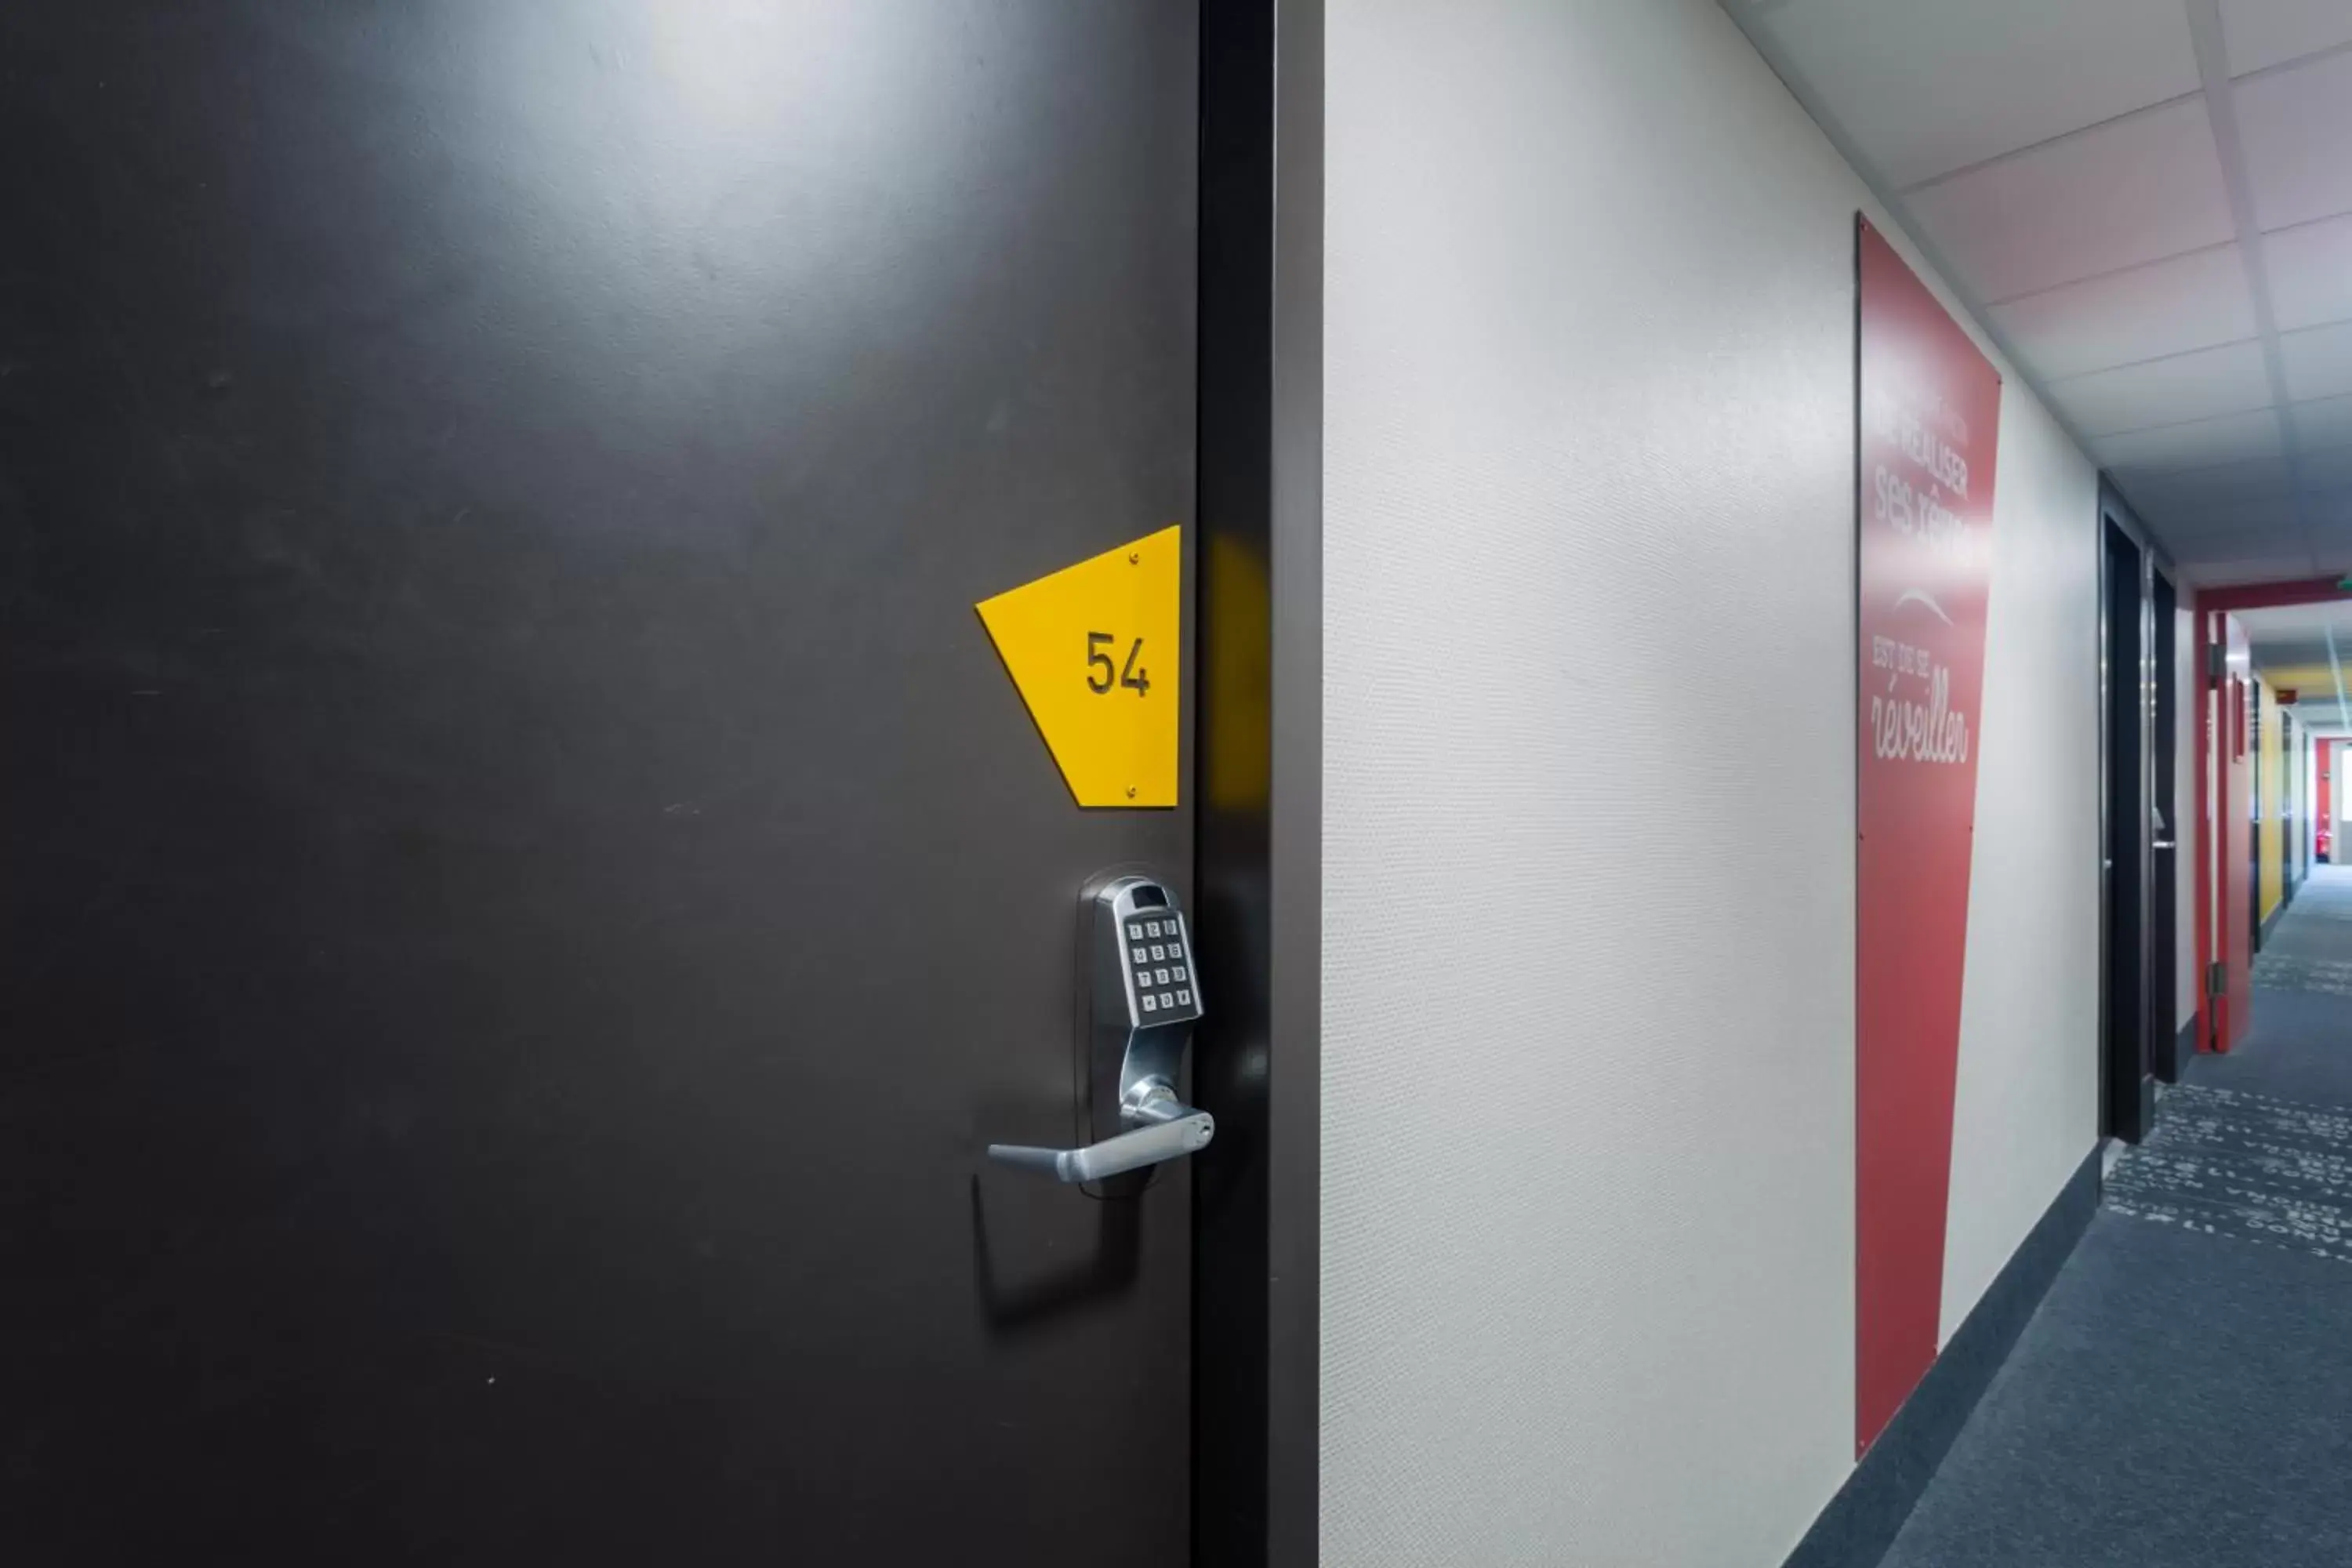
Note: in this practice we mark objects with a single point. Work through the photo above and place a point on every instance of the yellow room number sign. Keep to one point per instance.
(1094, 651)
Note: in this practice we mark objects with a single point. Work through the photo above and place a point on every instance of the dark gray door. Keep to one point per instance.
(528, 886)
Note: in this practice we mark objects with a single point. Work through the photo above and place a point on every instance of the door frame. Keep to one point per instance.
(2290, 818)
(2163, 891)
(2210, 603)
(1257, 786)
(2323, 800)
(2255, 686)
(2127, 1084)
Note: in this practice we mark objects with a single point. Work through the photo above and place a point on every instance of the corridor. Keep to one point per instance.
(2179, 1398)
(1415, 784)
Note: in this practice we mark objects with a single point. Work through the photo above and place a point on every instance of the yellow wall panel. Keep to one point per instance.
(2307, 681)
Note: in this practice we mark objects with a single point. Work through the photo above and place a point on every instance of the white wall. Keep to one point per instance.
(2026, 1105)
(1588, 1097)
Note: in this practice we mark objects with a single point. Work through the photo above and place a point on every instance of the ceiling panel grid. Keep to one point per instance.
(2149, 203)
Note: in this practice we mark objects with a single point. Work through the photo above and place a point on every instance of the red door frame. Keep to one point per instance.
(2211, 603)
(2323, 805)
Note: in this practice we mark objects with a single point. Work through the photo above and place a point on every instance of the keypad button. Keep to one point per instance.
(1160, 977)
(1150, 1002)
(1135, 930)
(1158, 952)
(1180, 972)
(1139, 955)
(1184, 998)
(1168, 1002)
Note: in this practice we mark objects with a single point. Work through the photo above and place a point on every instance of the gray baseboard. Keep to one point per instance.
(1862, 1521)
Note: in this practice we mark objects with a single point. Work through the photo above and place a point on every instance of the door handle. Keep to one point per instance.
(1143, 998)
(2166, 844)
(1165, 1129)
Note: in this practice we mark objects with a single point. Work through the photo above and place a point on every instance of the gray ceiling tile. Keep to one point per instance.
(2171, 391)
(2323, 424)
(2033, 70)
(2286, 564)
(2325, 468)
(2310, 269)
(2133, 190)
(2318, 362)
(2296, 125)
(2259, 33)
(2189, 302)
(2256, 514)
(2330, 510)
(2232, 438)
(2197, 492)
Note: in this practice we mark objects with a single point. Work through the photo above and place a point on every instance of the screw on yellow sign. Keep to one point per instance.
(1094, 650)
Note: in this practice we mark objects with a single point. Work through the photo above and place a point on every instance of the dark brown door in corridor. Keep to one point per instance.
(528, 886)
(2236, 760)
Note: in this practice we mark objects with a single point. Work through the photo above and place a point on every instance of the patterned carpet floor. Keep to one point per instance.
(2257, 1145)
(2273, 1171)
(2183, 1397)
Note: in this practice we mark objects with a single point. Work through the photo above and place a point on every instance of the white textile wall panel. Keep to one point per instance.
(1588, 1097)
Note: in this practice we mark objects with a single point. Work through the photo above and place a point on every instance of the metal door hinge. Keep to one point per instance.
(2217, 979)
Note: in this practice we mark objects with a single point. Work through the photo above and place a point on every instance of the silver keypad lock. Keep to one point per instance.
(1157, 959)
(1143, 998)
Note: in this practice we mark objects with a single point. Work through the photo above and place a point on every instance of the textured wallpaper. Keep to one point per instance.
(1588, 1184)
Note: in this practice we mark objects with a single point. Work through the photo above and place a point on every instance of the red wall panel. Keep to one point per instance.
(1930, 416)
